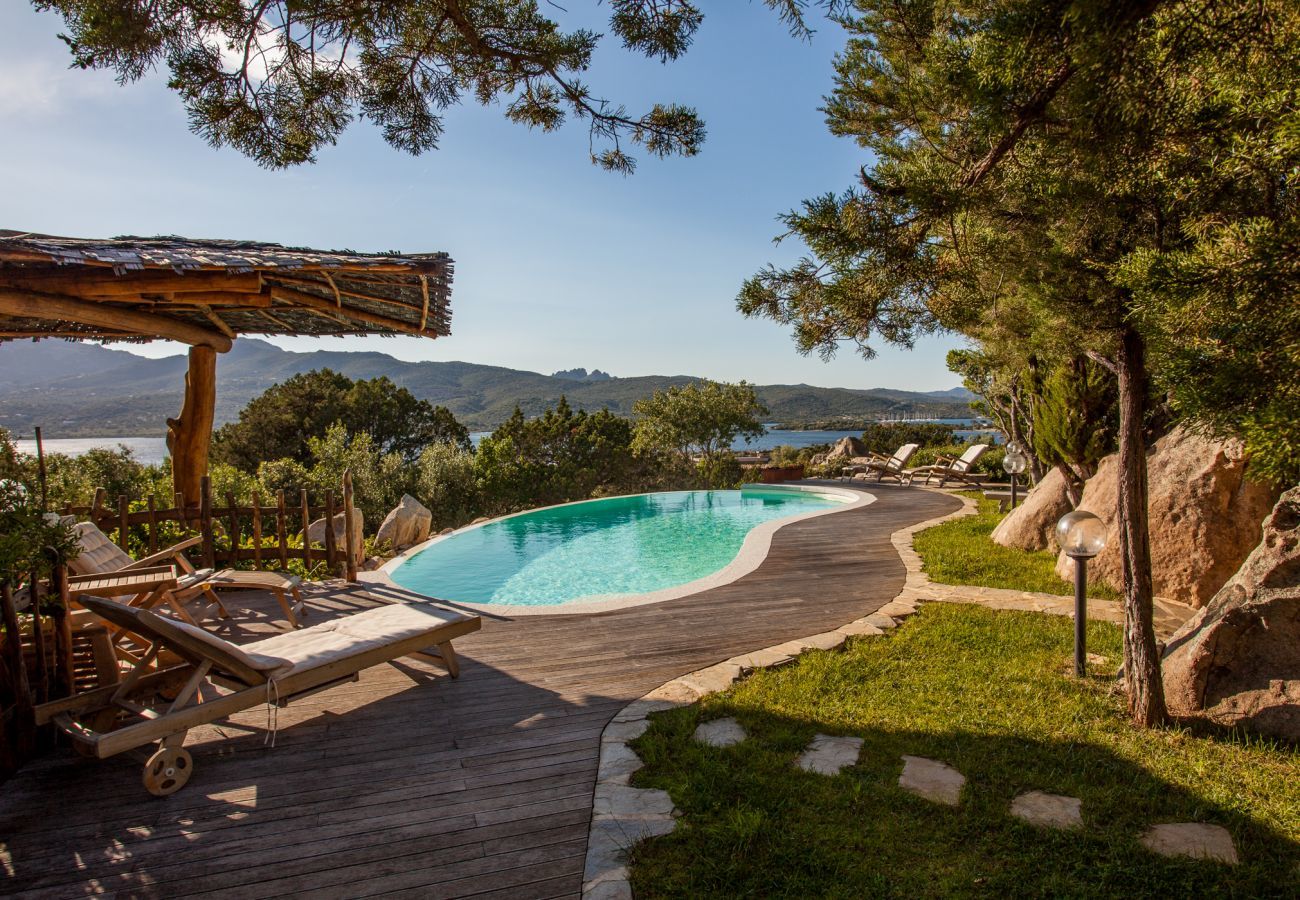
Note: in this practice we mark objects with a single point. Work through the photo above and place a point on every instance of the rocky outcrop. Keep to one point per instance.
(1237, 661)
(845, 449)
(1204, 516)
(316, 534)
(407, 525)
(1032, 524)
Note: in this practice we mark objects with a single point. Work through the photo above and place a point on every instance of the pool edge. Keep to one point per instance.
(753, 551)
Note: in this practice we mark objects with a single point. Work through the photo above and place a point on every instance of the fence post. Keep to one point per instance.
(123, 510)
(234, 528)
(153, 525)
(257, 530)
(331, 543)
(205, 522)
(280, 528)
(306, 538)
(348, 547)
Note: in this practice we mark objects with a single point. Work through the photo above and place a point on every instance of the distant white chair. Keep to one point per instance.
(884, 466)
(947, 468)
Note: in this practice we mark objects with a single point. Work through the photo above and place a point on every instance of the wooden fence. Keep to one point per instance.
(266, 526)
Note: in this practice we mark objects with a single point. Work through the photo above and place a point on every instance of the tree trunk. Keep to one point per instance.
(189, 435)
(1146, 700)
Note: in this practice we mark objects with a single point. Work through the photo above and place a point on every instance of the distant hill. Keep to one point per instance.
(85, 390)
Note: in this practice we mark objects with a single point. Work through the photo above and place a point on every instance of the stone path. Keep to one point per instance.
(1194, 839)
(1048, 810)
(830, 755)
(720, 733)
(932, 780)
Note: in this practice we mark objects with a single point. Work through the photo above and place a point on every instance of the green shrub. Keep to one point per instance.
(889, 437)
(447, 486)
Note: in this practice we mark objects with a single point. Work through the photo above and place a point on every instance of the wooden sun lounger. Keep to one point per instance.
(100, 556)
(884, 466)
(217, 679)
(947, 468)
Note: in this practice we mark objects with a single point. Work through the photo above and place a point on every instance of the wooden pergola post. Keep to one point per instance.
(189, 435)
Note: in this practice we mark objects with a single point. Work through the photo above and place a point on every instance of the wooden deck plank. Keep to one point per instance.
(409, 783)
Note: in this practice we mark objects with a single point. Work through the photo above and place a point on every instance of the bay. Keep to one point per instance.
(153, 450)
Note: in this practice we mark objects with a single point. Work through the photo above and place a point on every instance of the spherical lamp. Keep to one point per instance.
(1082, 536)
(1013, 463)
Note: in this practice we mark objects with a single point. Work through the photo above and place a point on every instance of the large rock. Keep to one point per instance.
(407, 525)
(1204, 516)
(1237, 661)
(846, 448)
(316, 534)
(1032, 524)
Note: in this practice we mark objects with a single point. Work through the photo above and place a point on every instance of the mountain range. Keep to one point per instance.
(75, 389)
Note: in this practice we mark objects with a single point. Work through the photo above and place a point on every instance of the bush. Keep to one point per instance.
(889, 437)
(446, 485)
(720, 472)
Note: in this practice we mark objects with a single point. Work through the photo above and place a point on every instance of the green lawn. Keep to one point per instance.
(960, 552)
(986, 692)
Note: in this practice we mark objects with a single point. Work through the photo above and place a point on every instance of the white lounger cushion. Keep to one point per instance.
(270, 666)
(351, 635)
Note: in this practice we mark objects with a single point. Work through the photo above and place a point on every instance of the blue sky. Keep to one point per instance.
(558, 263)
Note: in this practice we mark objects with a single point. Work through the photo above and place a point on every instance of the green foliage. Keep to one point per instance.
(73, 479)
(720, 471)
(303, 71)
(887, 438)
(29, 540)
(1075, 417)
(559, 456)
(378, 479)
(704, 417)
(987, 693)
(280, 422)
(447, 484)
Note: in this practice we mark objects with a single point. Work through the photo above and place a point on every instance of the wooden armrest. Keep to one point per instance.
(154, 558)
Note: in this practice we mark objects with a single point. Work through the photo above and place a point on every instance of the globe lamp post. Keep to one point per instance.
(1013, 463)
(1082, 536)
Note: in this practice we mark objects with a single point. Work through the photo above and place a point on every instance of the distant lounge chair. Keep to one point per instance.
(100, 556)
(884, 466)
(947, 468)
(160, 702)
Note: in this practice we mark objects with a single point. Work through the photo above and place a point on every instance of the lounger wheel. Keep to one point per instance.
(167, 771)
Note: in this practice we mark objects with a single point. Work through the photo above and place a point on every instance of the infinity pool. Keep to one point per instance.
(601, 549)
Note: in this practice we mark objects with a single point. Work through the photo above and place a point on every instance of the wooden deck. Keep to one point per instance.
(407, 782)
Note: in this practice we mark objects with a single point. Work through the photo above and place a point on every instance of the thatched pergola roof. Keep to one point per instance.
(206, 292)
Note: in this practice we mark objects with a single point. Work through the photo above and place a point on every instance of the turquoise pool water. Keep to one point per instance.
(621, 545)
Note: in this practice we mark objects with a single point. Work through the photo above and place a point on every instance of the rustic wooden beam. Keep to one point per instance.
(33, 305)
(190, 434)
(311, 301)
(344, 292)
(132, 283)
(217, 321)
(193, 298)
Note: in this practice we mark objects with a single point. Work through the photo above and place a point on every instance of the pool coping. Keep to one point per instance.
(753, 551)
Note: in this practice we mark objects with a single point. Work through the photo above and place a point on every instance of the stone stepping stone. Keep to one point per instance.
(932, 780)
(880, 620)
(1048, 810)
(1194, 839)
(860, 628)
(828, 755)
(720, 733)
